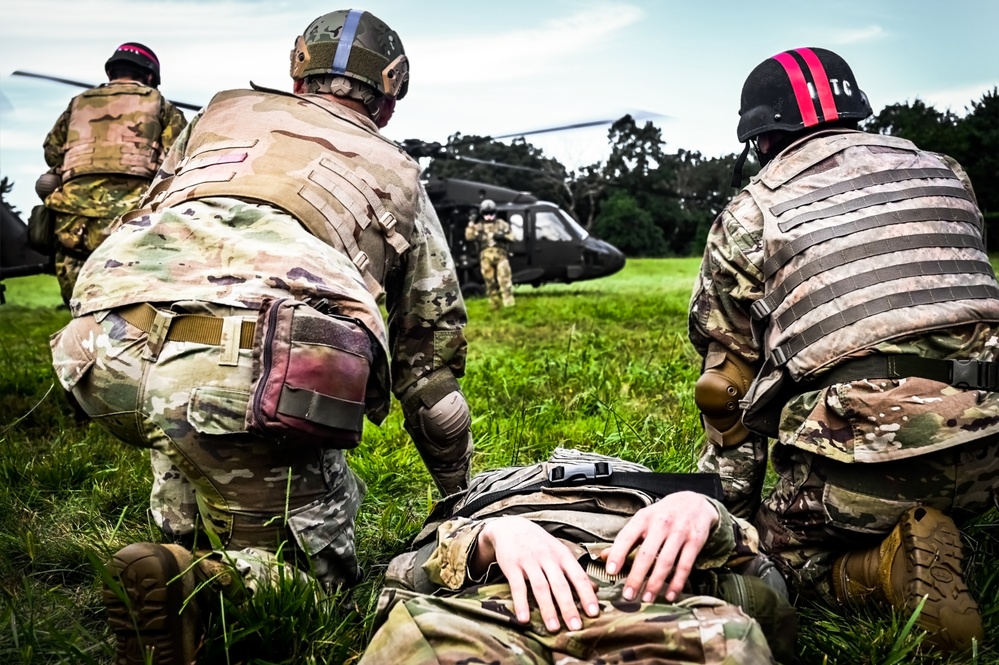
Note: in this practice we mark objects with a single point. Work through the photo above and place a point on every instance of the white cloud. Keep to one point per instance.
(523, 52)
(858, 35)
(956, 99)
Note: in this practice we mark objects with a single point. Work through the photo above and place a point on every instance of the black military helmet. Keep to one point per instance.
(355, 44)
(137, 55)
(797, 89)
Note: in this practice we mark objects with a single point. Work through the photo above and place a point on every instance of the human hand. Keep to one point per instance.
(672, 531)
(527, 554)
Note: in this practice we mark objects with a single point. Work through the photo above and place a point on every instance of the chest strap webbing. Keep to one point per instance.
(861, 182)
(878, 198)
(764, 306)
(799, 245)
(966, 374)
(879, 276)
(601, 474)
(840, 320)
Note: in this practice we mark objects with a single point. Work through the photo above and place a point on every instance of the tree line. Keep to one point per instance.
(648, 201)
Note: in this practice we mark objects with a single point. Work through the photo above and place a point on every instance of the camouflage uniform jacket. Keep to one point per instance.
(234, 251)
(105, 195)
(483, 233)
(860, 421)
(586, 519)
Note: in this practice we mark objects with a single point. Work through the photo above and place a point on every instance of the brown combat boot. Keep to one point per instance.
(151, 618)
(920, 557)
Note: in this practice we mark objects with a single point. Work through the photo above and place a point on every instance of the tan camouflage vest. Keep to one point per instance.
(349, 186)
(114, 128)
(866, 239)
(580, 512)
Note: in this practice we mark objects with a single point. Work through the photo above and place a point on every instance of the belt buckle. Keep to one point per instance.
(964, 374)
(577, 474)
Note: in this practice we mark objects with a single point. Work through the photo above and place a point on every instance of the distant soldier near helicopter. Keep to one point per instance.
(492, 235)
(103, 152)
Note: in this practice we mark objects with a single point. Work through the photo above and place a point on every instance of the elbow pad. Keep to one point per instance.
(438, 419)
(725, 381)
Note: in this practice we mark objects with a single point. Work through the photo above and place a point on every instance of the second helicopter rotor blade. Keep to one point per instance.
(81, 84)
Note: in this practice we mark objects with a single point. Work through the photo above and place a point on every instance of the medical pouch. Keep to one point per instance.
(310, 374)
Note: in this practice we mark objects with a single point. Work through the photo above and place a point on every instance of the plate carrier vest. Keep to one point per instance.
(114, 129)
(882, 243)
(300, 153)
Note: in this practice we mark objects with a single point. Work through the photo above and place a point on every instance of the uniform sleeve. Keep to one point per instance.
(732, 538)
(173, 122)
(729, 282)
(426, 311)
(448, 565)
(471, 231)
(55, 141)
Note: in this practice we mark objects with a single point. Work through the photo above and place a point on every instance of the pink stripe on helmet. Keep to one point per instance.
(141, 51)
(800, 88)
(829, 112)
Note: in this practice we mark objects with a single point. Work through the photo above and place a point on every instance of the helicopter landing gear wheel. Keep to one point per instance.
(473, 290)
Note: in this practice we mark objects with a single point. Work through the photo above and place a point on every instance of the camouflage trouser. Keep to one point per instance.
(478, 626)
(497, 276)
(254, 494)
(67, 269)
(76, 237)
(821, 509)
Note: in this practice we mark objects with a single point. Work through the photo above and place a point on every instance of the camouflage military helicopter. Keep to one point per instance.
(551, 246)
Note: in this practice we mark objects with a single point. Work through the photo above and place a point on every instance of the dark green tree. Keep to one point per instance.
(628, 226)
(517, 165)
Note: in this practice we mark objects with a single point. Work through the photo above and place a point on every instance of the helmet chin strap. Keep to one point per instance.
(385, 111)
(739, 163)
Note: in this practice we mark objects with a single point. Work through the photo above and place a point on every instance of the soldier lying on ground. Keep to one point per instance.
(629, 577)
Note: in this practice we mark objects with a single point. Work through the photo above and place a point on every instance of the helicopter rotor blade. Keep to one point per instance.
(502, 165)
(638, 115)
(81, 84)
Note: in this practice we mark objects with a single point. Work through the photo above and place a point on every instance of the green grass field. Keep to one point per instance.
(600, 365)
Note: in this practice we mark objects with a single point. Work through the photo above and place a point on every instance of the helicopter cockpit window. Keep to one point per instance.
(517, 226)
(548, 225)
(580, 231)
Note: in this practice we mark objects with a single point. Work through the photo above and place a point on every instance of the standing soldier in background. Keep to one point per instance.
(232, 326)
(103, 152)
(492, 235)
(851, 280)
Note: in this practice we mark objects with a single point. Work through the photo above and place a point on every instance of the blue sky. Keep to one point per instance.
(507, 66)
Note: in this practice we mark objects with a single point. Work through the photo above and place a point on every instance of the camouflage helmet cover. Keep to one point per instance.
(797, 89)
(356, 44)
(138, 55)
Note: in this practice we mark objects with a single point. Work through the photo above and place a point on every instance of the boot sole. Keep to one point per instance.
(931, 546)
(151, 621)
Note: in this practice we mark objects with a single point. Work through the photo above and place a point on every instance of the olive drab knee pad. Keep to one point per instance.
(724, 381)
(447, 422)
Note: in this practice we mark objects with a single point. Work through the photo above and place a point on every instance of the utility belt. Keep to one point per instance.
(310, 368)
(965, 374)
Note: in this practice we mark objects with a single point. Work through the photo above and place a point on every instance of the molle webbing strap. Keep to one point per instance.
(321, 409)
(799, 245)
(196, 328)
(764, 306)
(439, 385)
(967, 374)
(344, 231)
(877, 198)
(878, 276)
(860, 182)
(386, 221)
(840, 320)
